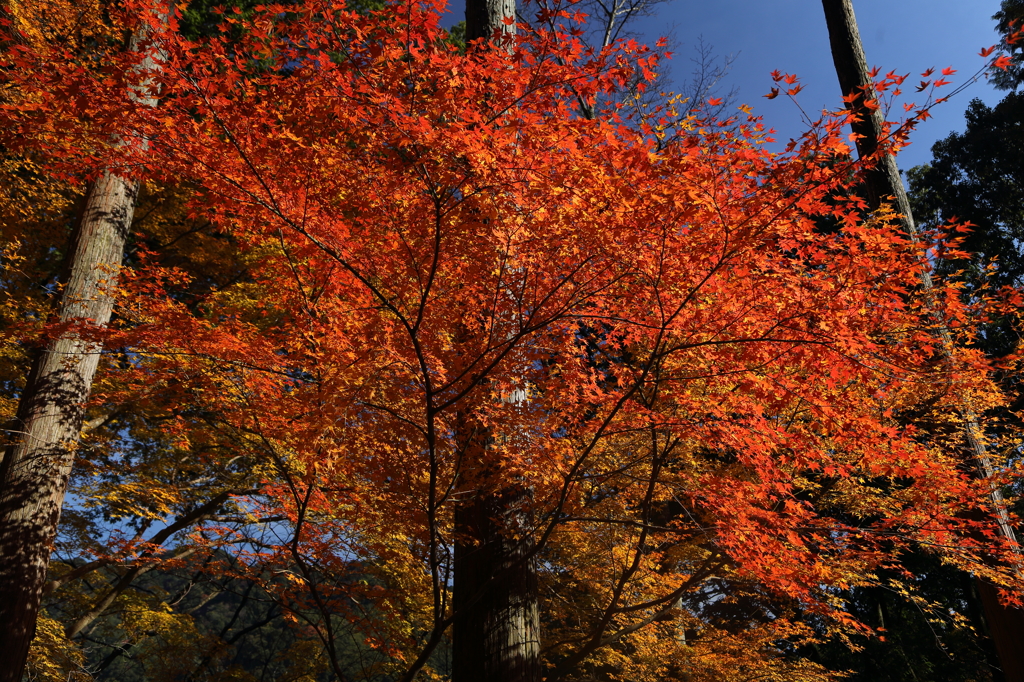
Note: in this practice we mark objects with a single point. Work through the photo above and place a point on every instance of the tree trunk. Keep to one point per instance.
(484, 17)
(497, 626)
(34, 470)
(1006, 628)
(884, 182)
(496, 631)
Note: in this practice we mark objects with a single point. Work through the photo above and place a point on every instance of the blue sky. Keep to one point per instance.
(907, 36)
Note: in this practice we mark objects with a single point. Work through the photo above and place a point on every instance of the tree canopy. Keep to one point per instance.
(378, 274)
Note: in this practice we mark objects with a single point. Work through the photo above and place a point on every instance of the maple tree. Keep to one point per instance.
(712, 382)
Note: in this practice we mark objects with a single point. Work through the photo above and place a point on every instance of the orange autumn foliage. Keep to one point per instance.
(714, 344)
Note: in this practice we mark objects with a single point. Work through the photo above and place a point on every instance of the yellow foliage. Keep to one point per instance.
(35, 218)
(70, 24)
(52, 657)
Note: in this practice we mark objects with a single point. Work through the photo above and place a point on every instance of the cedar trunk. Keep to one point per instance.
(484, 17)
(497, 626)
(35, 468)
(883, 183)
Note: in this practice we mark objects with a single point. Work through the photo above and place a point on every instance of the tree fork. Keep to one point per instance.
(35, 468)
(884, 181)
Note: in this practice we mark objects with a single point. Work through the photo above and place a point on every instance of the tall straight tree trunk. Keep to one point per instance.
(496, 632)
(497, 626)
(884, 183)
(35, 469)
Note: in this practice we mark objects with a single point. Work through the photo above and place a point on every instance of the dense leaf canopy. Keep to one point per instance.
(383, 274)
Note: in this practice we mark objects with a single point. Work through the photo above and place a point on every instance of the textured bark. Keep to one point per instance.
(497, 626)
(1006, 628)
(852, 69)
(484, 17)
(35, 469)
(883, 183)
